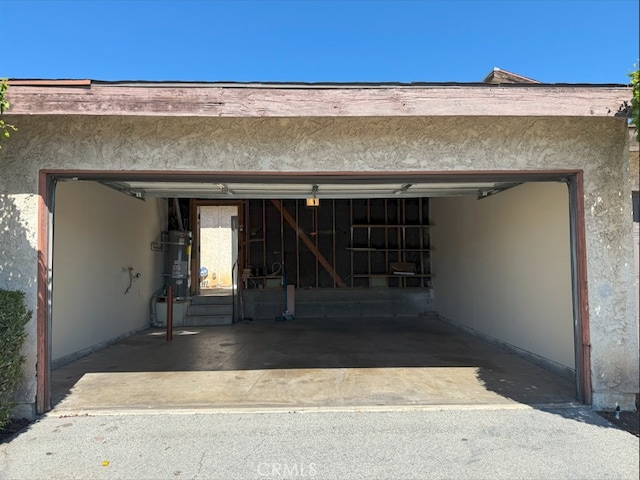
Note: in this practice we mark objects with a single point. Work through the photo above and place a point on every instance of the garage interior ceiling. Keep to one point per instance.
(294, 190)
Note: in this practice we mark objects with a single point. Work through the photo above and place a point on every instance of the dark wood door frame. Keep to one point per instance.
(46, 197)
(194, 204)
(582, 337)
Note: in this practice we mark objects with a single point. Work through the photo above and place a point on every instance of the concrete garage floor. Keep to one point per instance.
(323, 363)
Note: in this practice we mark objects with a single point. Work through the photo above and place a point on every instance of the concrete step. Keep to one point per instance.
(209, 309)
(212, 300)
(207, 320)
(330, 303)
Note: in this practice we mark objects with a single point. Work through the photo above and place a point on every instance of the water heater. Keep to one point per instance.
(178, 262)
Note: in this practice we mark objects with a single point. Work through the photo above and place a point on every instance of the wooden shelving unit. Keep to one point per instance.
(397, 250)
(342, 243)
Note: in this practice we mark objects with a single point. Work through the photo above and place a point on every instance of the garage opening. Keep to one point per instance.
(355, 291)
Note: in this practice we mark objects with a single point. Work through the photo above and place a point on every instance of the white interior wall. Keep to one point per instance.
(98, 233)
(502, 267)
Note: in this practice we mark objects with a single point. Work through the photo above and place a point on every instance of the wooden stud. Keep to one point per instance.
(351, 273)
(399, 235)
(314, 215)
(264, 233)
(309, 244)
(243, 244)
(421, 240)
(297, 246)
(282, 259)
(333, 235)
(247, 228)
(194, 289)
(386, 237)
(369, 238)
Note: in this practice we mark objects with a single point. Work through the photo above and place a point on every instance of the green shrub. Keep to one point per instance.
(13, 317)
(635, 101)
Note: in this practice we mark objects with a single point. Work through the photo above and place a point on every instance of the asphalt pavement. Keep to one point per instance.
(458, 443)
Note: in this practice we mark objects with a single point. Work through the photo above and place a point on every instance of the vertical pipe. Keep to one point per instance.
(176, 205)
(169, 313)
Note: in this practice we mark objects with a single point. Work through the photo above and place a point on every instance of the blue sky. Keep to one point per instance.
(585, 41)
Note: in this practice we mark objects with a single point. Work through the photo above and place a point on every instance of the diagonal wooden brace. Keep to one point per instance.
(307, 241)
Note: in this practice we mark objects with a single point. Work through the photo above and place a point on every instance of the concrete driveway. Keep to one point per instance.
(510, 442)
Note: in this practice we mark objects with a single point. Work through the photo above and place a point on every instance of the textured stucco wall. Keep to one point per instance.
(18, 271)
(599, 146)
(635, 170)
(98, 233)
(502, 266)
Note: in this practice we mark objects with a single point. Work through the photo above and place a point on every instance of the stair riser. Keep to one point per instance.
(207, 320)
(212, 300)
(210, 310)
